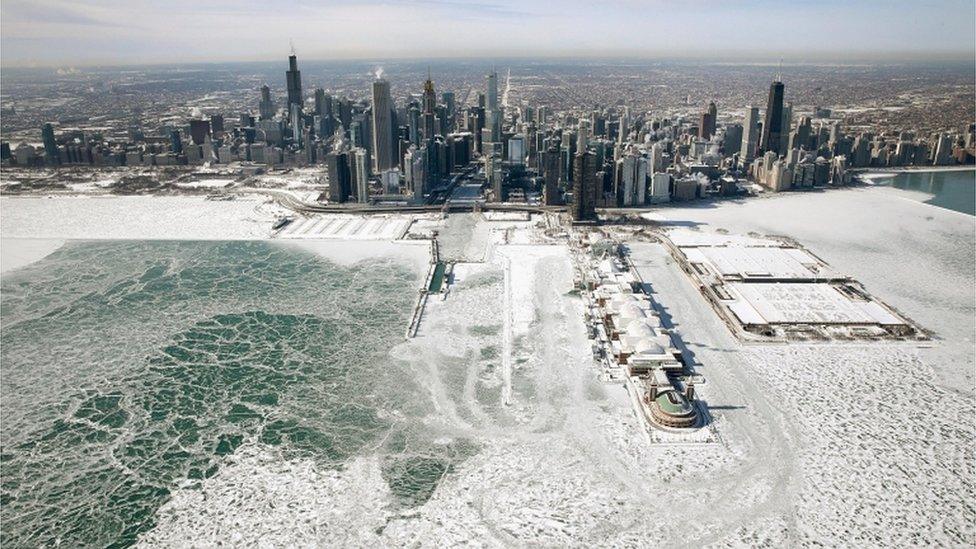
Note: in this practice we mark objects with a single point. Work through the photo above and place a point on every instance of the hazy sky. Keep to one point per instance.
(75, 32)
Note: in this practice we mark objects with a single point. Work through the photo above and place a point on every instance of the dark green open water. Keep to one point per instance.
(129, 368)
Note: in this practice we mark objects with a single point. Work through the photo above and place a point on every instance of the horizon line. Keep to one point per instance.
(744, 57)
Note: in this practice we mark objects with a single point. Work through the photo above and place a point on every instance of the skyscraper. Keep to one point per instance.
(493, 115)
(550, 166)
(382, 127)
(216, 124)
(491, 95)
(296, 123)
(50, 145)
(448, 99)
(175, 143)
(784, 135)
(707, 126)
(584, 187)
(266, 108)
(293, 78)
(750, 134)
(772, 130)
(320, 108)
(199, 129)
(337, 174)
(429, 104)
(413, 124)
(360, 166)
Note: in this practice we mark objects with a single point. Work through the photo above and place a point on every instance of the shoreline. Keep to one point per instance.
(21, 252)
(914, 169)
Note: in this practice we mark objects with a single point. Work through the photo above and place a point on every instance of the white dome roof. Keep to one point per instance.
(618, 300)
(622, 297)
(631, 310)
(638, 327)
(648, 347)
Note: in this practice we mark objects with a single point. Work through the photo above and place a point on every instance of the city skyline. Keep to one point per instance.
(56, 33)
(428, 272)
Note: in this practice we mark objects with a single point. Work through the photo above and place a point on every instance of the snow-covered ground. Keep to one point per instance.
(833, 444)
(137, 217)
(918, 258)
(561, 459)
(855, 444)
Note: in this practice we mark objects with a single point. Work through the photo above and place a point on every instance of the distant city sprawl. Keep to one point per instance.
(584, 135)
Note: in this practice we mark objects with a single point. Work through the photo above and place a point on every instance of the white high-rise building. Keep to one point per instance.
(627, 168)
(660, 188)
(657, 157)
(583, 135)
(643, 171)
(633, 172)
(361, 163)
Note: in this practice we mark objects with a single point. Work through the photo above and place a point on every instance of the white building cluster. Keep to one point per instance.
(633, 343)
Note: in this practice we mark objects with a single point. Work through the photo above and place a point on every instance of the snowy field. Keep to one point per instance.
(137, 218)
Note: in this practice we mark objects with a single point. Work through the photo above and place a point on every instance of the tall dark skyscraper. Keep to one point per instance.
(584, 187)
(337, 173)
(550, 166)
(293, 78)
(50, 145)
(772, 130)
(199, 129)
(320, 102)
(708, 121)
(217, 124)
(383, 157)
(429, 106)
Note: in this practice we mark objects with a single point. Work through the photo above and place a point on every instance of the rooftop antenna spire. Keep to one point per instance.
(779, 71)
(291, 43)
